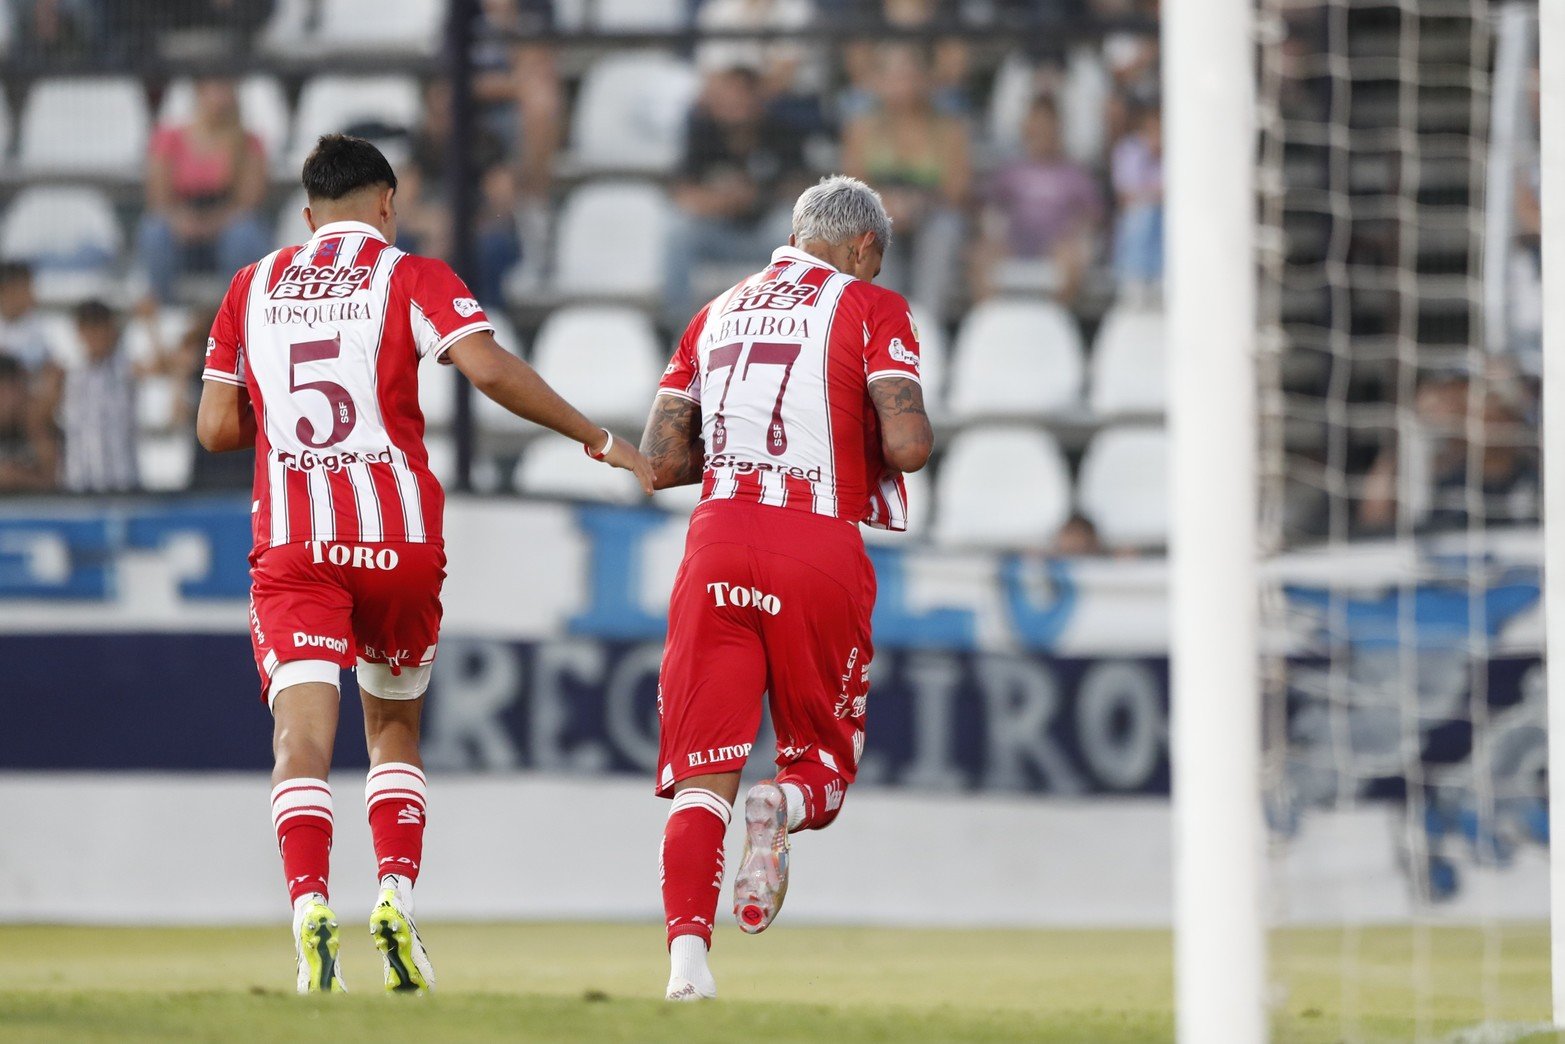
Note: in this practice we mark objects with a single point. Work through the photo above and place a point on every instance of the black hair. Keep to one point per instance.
(93, 312)
(14, 272)
(10, 368)
(340, 165)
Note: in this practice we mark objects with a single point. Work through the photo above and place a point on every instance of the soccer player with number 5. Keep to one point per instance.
(313, 360)
(794, 399)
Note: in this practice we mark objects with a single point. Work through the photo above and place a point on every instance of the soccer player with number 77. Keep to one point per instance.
(313, 360)
(794, 399)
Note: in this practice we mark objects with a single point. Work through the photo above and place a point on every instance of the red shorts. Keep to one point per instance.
(344, 602)
(767, 601)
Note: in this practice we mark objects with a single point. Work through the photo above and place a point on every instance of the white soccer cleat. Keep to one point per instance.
(685, 990)
(396, 937)
(316, 940)
(762, 881)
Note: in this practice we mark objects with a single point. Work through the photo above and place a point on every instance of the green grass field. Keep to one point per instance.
(594, 982)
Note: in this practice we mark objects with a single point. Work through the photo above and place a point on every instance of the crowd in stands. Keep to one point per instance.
(1022, 169)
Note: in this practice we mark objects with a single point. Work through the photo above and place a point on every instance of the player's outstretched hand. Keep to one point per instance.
(624, 454)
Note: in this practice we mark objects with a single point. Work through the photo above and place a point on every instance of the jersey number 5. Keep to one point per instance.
(762, 353)
(343, 415)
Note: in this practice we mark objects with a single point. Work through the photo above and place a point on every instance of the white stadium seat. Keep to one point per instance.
(630, 114)
(92, 125)
(1015, 359)
(610, 240)
(556, 467)
(1130, 364)
(442, 457)
(1003, 487)
(625, 16)
(5, 133)
(290, 228)
(437, 381)
(69, 234)
(165, 462)
(332, 104)
(290, 31)
(604, 359)
(1123, 487)
(489, 416)
(920, 504)
(413, 27)
(262, 106)
(932, 362)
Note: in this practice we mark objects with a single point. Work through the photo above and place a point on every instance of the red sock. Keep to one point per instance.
(394, 795)
(691, 864)
(823, 790)
(301, 813)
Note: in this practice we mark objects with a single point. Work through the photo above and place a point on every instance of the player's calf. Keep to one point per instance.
(814, 794)
(691, 869)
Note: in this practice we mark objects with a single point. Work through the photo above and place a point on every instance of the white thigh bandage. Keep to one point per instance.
(377, 680)
(298, 672)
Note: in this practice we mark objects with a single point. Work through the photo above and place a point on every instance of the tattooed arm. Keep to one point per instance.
(672, 443)
(905, 435)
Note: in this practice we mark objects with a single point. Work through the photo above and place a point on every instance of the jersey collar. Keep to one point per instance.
(792, 255)
(342, 228)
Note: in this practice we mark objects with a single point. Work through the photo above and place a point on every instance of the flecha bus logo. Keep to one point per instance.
(775, 294)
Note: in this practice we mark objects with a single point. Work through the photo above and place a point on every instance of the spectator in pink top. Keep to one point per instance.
(206, 180)
(1042, 216)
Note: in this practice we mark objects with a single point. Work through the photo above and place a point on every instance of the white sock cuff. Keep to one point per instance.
(395, 781)
(795, 799)
(696, 797)
(301, 797)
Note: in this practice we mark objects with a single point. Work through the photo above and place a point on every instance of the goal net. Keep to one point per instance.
(1401, 628)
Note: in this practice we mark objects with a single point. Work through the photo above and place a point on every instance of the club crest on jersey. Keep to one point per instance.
(315, 282)
(774, 293)
(465, 306)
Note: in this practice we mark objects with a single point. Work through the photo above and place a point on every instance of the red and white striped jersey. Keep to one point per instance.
(781, 366)
(327, 338)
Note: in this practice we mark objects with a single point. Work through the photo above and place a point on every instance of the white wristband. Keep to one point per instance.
(603, 453)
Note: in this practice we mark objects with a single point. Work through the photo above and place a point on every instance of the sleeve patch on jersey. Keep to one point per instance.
(899, 353)
(466, 307)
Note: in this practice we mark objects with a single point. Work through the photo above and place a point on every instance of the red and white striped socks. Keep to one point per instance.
(394, 794)
(302, 817)
(691, 863)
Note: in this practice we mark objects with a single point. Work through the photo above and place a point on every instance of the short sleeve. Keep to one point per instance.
(890, 339)
(444, 309)
(225, 350)
(682, 378)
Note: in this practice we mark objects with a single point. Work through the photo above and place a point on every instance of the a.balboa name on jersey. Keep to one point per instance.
(312, 283)
(308, 461)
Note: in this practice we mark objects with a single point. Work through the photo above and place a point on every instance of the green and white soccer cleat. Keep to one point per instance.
(396, 937)
(762, 881)
(317, 940)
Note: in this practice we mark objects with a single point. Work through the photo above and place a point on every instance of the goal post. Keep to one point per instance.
(1209, 98)
(1551, 43)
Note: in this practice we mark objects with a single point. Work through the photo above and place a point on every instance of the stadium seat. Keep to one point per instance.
(437, 382)
(5, 132)
(626, 16)
(1123, 487)
(931, 363)
(604, 359)
(1002, 487)
(630, 114)
(490, 417)
(411, 27)
(262, 105)
(166, 461)
(556, 467)
(1129, 364)
(69, 234)
(332, 104)
(88, 125)
(920, 503)
(1015, 360)
(290, 32)
(610, 240)
(290, 228)
(442, 457)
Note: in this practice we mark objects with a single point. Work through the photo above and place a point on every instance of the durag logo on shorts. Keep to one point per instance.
(319, 641)
(466, 307)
